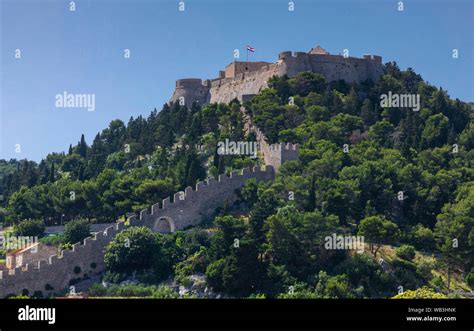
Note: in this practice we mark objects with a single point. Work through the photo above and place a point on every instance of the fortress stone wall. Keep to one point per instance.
(242, 79)
(192, 206)
(188, 208)
(34, 252)
(240, 67)
(190, 90)
(273, 154)
(332, 67)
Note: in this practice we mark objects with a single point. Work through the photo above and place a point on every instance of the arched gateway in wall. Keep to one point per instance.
(164, 225)
(55, 274)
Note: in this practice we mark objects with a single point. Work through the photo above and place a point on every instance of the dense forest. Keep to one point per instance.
(402, 179)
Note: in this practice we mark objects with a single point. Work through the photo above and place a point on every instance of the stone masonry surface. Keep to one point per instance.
(188, 208)
(249, 78)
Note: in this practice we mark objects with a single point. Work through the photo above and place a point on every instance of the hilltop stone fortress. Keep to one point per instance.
(50, 274)
(242, 80)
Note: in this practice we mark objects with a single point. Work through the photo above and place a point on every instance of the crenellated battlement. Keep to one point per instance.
(273, 154)
(187, 208)
(189, 90)
(284, 147)
(241, 78)
(190, 82)
(191, 206)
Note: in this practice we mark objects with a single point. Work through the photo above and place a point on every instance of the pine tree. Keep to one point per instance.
(70, 149)
(368, 113)
(31, 174)
(194, 170)
(352, 102)
(51, 173)
(45, 177)
(81, 173)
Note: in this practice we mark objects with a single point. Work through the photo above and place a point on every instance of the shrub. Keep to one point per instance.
(338, 287)
(422, 237)
(76, 231)
(240, 272)
(130, 290)
(403, 264)
(405, 272)
(425, 266)
(193, 264)
(114, 277)
(33, 228)
(12, 296)
(470, 280)
(164, 292)
(303, 294)
(65, 246)
(139, 249)
(38, 294)
(405, 252)
(214, 274)
(192, 240)
(53, 240)
(362, 270)
(132, 249)
(437, 282)
(182, 270)
(420, 293)
(97, 290)
(134, 290)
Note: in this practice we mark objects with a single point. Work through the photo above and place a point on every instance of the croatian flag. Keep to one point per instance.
(250, 48)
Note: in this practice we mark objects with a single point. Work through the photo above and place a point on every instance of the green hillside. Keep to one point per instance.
(402, 179)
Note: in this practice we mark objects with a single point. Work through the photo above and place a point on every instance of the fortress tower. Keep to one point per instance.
(242, 79)
(191, 90)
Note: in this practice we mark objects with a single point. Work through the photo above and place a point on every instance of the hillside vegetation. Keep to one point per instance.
(400, 178)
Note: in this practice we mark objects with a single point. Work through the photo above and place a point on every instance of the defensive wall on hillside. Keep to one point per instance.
(249, 78)
(273, 154)
(190, 207)
(187, 208)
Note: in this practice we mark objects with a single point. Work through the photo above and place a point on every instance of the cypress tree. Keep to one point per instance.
(312, 195)
(51, 173)
(45, 177)
(82, 147)
(215, 160)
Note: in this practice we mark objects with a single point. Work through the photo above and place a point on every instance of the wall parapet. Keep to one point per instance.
(246, 78)
(55, 274)
(273, 154)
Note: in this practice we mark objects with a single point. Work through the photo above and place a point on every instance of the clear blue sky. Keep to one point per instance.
(82, 52)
